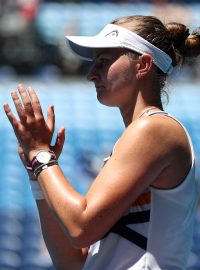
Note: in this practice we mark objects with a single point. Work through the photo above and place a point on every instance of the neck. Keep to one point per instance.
(144, 99)
(138, 112)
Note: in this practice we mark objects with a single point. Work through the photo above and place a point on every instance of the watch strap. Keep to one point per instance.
(42, 167)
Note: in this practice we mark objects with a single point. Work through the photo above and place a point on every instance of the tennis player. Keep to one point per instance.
(139, 211)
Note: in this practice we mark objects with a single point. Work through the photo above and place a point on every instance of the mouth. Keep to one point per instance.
(99, 87)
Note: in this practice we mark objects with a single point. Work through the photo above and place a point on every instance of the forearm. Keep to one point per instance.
(67, 205)
(63, 254)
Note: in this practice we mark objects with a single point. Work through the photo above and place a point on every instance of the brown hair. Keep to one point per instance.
(172, 38)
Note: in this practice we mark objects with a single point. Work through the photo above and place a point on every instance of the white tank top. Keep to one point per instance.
(156, 233)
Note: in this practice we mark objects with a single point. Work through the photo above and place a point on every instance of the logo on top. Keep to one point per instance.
(112, 34)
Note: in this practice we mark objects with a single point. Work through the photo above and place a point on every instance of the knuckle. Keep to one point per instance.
(40, 119)
(28, 103)
(15, 124)
(30, 122)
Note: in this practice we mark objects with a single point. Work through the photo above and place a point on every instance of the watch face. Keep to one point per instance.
(43, 156)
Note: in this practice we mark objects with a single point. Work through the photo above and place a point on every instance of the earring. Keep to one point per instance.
(138, 76)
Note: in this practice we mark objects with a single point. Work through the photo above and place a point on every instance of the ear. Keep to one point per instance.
(144, 66)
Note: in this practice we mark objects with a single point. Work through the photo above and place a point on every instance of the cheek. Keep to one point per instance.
(120, 77)
(119, 83)
(119, 88)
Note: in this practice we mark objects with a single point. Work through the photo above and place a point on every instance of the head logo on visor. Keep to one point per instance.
(112, 34)
(115, 36)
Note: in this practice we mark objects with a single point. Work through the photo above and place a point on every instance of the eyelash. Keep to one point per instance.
(103, 61)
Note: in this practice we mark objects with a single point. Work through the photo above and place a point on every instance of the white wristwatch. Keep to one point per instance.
(42, 157)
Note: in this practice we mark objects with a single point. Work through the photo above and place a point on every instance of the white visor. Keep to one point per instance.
(114, 36)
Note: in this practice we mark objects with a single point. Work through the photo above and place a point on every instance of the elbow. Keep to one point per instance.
(80, 230)
(76, 225)
(81, 239)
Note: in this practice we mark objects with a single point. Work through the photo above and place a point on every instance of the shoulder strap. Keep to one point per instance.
(157, 113)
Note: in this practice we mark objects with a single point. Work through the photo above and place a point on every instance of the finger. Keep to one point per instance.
(51, 118)
(18, 106)
(26, 100)
(14, 122)
(35, 103)
(60, 139)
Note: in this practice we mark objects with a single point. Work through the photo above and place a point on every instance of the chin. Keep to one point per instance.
(106, 101)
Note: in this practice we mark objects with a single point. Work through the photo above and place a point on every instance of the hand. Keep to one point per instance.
(31, 129)
(57, 149)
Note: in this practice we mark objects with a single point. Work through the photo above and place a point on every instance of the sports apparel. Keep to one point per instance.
(114, 36)
(155, 233)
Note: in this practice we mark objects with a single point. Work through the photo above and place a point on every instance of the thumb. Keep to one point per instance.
(60, 139)
(22, 155)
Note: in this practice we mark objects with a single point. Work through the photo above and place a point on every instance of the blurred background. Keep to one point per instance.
(33, 52)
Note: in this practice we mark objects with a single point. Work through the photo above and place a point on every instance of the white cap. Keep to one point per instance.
(114, 36)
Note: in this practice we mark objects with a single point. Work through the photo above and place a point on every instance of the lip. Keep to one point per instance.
(100, 86)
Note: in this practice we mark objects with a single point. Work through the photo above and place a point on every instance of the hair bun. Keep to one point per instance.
(192, 43)
(185, 44)
(178, 33)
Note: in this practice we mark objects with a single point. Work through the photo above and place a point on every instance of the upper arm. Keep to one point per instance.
(136, 162)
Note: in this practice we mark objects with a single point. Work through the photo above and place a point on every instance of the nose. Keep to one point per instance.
(92, 74)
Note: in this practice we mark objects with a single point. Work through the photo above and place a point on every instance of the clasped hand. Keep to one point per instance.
(31, 129)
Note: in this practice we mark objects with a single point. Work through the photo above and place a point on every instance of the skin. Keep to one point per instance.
(150, 152)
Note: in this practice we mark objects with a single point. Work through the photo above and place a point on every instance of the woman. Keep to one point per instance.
(139, 211)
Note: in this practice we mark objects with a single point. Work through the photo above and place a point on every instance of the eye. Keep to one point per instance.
(103, 61)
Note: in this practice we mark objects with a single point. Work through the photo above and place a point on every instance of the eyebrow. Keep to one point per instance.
(99, 54)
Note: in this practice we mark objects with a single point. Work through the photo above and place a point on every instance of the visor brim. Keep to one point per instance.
(84, 46)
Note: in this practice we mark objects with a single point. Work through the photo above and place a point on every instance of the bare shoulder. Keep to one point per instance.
(162, 130)
(162, 143)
